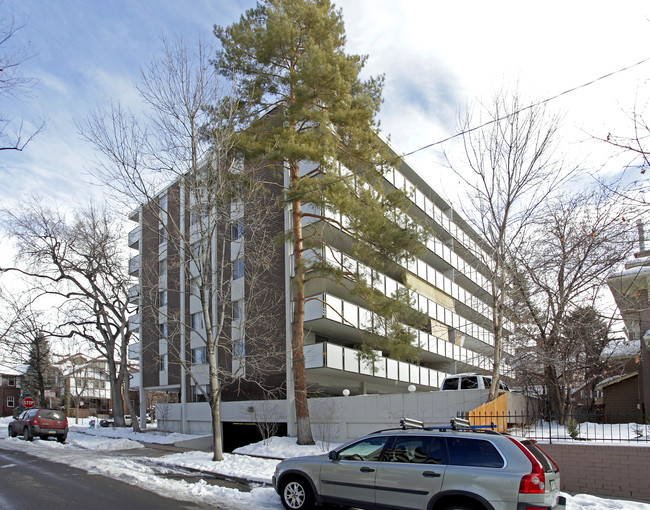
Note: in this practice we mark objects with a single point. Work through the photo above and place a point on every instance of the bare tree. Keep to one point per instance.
(509, 168)
(215, 217)
(562, 267)
(13, 83)
(80, 263)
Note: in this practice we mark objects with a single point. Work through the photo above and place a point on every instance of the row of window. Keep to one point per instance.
(457, 451)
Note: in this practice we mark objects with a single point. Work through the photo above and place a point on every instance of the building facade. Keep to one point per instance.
(9, 390)
(449, 282)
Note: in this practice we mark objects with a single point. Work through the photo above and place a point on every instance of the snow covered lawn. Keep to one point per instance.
(149, 473)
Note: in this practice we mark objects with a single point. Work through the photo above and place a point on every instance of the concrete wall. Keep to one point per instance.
(335, 419)
(605, 470)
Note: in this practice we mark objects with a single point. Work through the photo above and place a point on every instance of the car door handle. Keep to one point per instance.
(431, 474)
(367, 470)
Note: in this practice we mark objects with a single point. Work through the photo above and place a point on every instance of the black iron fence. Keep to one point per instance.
(628, 428)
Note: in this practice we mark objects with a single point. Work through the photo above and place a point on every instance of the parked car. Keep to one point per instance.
(432, 468)
(40, 422)
(470, 381)
(106, 423)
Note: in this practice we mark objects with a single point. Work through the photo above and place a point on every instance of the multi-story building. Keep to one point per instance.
(449, 282)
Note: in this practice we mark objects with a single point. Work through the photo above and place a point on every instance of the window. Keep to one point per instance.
(197, 321)
(162, 266)
(469, 383)
(163, 202)
(238, 268)
(163, 363)
(199, 212)
(164, 330)
(11, 381)
(162, 235)
(239, 348)
(10, 401)
(473, 452)
(417, 450)
(238, 309)
(237, 230)
(198, 394)
(200, 355)
(195, 286)
(162, 298)
(369, 449)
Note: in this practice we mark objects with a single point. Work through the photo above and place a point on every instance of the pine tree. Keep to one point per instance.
(309, 114)
(38, 363)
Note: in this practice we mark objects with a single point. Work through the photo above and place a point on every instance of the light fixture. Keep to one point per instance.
(411, 388)
(346, 392)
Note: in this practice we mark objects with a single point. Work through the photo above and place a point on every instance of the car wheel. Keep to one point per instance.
(296, 494)
(61, 439)
(27, 436)
(11, 431)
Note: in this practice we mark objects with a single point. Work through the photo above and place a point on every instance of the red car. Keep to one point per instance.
(40, 422)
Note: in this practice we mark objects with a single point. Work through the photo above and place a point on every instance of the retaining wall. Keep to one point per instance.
(603, 470)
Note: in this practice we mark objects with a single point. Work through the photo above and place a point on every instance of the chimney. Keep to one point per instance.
(639, 225)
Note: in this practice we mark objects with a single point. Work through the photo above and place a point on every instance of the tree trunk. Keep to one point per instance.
(298, 341)
(214, 398)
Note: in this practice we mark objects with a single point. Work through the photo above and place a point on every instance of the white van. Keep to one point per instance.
(470, 381)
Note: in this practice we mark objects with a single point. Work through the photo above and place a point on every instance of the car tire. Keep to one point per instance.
(27, 435)
(61, 439)
(296, 494)
(11, 432)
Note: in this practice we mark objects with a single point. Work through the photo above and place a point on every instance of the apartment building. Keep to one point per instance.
(449, 282)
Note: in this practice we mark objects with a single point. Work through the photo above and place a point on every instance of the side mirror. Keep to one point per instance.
(333, 455)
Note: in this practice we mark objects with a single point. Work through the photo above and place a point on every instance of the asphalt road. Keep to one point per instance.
(29, 483)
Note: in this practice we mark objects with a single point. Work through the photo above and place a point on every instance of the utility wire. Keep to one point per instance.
(492, 121)
(533, 105)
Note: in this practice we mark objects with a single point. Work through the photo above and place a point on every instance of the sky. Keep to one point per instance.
(436, 56)
(98, 451)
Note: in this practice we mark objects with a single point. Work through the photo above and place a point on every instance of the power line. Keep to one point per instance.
(533, 105)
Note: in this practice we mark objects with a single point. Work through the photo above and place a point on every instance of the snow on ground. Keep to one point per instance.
(248, 463)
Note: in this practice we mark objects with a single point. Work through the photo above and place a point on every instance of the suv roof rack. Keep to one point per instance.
(454, 424)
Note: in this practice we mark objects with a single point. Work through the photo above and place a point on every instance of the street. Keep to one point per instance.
(28, 482)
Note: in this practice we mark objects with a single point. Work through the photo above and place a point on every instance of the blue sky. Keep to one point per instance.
(436, 56)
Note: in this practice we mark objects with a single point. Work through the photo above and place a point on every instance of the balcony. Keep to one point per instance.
(134, 323)
(134, 351)
(134, 238)
(135, 263)
(134, 294)
(332, 364)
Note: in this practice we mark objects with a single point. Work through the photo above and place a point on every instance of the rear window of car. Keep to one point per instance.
(473, 452)
(52, 414)
(540, 455)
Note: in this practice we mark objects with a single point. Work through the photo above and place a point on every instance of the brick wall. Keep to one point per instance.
(605, 470)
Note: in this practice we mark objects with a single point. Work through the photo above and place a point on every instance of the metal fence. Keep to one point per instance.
(632, 428)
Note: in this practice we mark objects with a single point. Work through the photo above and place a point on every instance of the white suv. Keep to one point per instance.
(433, 468)
(470, 381)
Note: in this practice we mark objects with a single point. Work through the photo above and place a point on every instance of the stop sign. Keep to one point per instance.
(28, 402)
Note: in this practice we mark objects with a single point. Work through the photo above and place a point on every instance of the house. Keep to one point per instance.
(9, 390)
(87, 390)
(629, 287)
(449, 282)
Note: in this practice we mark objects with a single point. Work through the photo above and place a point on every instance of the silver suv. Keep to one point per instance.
(433, 468)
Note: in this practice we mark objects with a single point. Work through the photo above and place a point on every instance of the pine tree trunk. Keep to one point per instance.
(298, 341)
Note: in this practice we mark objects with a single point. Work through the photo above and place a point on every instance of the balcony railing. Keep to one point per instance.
(337, 357)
